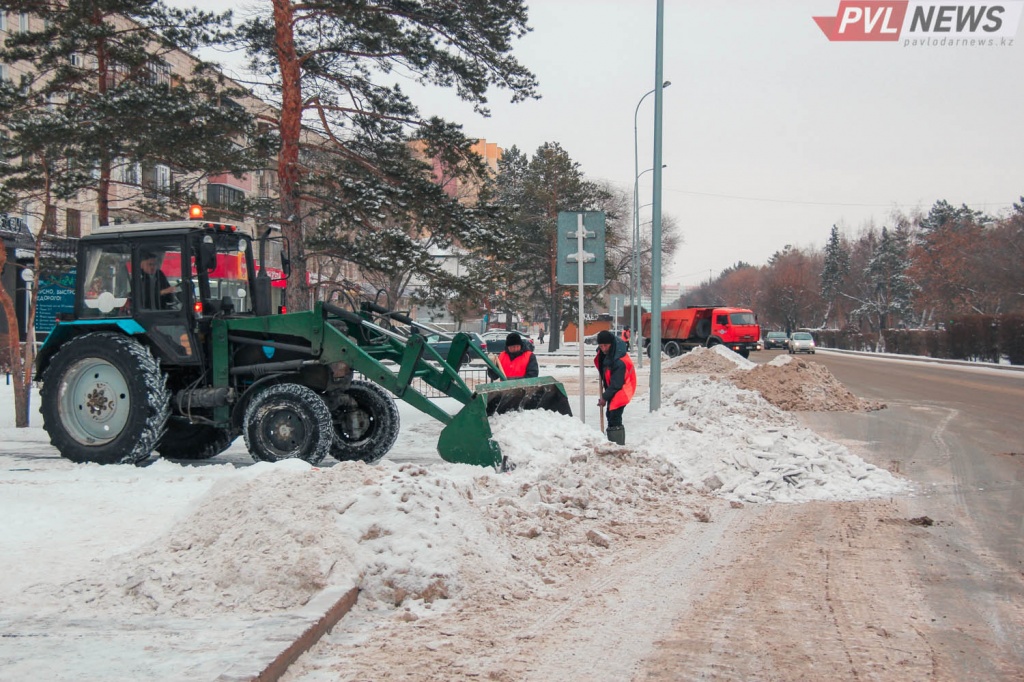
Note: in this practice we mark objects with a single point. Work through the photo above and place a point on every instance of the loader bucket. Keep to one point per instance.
(541, 393)
(467, 439)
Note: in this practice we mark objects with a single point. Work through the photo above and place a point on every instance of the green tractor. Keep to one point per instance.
(175, 345)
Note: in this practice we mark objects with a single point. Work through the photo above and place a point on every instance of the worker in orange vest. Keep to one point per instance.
(626, 335)
(516, 361)
(618, 381)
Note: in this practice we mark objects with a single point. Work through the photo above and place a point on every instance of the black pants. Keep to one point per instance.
(615, 416)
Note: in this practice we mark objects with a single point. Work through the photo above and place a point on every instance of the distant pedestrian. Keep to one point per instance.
(618, 381)
(540, 337)
(626, 335)
(515, 361)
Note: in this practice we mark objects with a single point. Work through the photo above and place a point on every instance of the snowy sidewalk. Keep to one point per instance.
(165, 648)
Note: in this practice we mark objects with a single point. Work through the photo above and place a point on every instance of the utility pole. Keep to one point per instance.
(659, 50)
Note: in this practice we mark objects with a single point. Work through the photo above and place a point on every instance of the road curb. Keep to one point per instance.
(921, 358)
(308, 638)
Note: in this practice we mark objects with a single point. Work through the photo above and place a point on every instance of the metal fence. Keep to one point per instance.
(471, 374)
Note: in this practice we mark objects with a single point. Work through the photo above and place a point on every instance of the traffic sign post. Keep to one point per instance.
(585, 231)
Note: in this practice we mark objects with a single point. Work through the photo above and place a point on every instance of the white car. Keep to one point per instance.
(495, 339)
(801, 342)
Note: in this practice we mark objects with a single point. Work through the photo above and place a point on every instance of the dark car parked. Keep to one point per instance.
(442, 345)
(495, 339)
(776, 340)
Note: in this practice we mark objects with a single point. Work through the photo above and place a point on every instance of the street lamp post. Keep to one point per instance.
(636, 290)
(655, 376)
(634, 294)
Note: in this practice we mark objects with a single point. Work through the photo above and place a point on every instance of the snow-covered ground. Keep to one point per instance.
(163, 571)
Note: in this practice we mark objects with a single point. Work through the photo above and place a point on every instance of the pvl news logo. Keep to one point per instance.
(916, 23)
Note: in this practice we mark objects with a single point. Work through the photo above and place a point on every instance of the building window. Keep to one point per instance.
(128, 172)
(266, 182)
(23, 22)
(50, 219)
(3, 20)
(156, 180)
(158, 73)
(4, 76)
(73, 218)
(223, 196)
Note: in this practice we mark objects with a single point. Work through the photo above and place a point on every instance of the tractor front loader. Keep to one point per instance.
(173, 347)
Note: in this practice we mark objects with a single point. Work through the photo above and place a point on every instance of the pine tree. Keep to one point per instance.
(833, 274)
(537, 190)
(890, 289)
(393, 230)
(330, 60)
(99, 93)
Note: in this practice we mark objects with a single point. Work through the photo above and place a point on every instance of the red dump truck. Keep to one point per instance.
(687, 328)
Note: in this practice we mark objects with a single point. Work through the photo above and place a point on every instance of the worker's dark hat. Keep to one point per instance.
(605, 336)
(513, 339)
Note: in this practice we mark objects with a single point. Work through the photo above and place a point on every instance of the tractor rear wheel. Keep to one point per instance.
(184, 440)
(366, 423)
(286, 421)
(104, 400)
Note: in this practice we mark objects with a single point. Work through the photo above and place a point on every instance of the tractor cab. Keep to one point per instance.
(171, 278)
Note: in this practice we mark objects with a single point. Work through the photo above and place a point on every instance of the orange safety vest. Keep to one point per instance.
(622, 398)
(625, 335)
(514, 369)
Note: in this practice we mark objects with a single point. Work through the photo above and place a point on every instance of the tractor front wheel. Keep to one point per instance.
(104, 400)
(366, 423)
(286, 421)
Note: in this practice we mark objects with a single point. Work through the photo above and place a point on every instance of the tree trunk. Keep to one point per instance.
(14, 352)
(104, 66)
(288, 158)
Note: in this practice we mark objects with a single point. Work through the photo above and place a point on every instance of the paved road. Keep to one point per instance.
(957, 429)
(853, 591)
(958, 432)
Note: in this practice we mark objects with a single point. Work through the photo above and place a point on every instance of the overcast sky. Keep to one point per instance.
(772, 133)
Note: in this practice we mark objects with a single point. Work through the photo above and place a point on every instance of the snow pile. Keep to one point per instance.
(787, 382)
(274, 535)
(794, 384)
(256, 542)
(714, 360)
(707, 436)
(267, 537)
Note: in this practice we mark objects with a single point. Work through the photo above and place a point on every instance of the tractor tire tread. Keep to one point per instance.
(149, 399)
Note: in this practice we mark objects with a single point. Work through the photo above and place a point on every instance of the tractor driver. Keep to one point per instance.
(157, 292)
